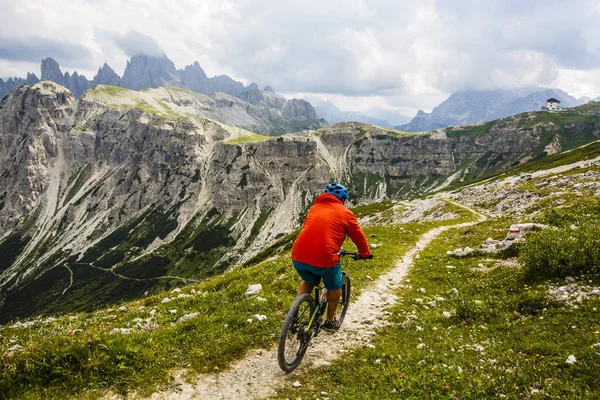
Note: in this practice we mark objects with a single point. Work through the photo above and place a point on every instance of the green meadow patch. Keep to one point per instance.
(200, 328)
(489, 334)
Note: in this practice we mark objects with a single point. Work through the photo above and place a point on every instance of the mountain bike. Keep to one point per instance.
(304, 319)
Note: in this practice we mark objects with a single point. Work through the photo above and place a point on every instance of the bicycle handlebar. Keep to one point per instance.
(355, 255)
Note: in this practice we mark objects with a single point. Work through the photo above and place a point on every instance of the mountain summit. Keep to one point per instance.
(471, 107)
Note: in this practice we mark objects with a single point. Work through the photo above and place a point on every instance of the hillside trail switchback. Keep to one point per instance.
(258, 375)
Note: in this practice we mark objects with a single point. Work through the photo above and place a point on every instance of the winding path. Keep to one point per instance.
(258, 374)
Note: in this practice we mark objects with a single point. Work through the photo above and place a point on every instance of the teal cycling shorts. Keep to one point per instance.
(332, 277)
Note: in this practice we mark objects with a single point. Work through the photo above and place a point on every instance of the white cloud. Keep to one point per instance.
(358, 54)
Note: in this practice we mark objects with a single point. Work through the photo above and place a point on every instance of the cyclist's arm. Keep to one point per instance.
(357, 235)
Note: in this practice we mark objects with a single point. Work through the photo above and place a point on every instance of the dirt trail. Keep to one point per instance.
(258, 374)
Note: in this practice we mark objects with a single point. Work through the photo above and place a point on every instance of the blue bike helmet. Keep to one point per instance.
(337, 190)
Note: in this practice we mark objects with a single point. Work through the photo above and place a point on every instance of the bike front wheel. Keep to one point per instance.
(340, 312)
(295, 335)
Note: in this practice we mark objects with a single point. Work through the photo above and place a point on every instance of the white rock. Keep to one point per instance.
(422, 290)
(120, 331)
(421, 346)
(432, 304)
(453, 291)
(447, 314)
(152, 312)
(420, 301)
(468, 251)
(259, 317)
(440, 298)
(183, 296)
(173, 311)
(22, 324)
(478, 302)
(14, 349)
(422, 362)
(193, 291)
(249, 320)
(373, 245)
(166, 300)
(597, 345)
(253, 290)
(571, 359)
(258, 298)
(296, 384)
(176, 290)
(370, 346)
(187, 317)
(450, 266)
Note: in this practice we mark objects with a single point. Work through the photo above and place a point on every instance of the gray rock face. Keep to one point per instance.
(107, 76)
(51, 71)
(298, 109)
(470, 107)
(91, 185)
(194, 78)
(143, 71)
(13, 83)
(224, 84)
(76, 83)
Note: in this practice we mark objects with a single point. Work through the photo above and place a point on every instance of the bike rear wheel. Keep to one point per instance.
(340, 312)
(294, 337)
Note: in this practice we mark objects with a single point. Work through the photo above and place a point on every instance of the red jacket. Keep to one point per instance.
(324, 232)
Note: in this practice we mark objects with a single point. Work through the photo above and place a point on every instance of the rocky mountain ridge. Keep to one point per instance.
(124, 192)
(144, 72)
(470, 107)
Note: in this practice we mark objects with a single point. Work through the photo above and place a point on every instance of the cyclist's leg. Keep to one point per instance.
(333, 298)
(304, 287)
(309, 279)
(332, 279)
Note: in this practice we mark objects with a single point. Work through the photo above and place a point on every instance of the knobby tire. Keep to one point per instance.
(294, 337)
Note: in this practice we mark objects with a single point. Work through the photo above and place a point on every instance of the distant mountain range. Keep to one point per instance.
(146, 72)
(375, 116)
(142, 72)
(470, 107)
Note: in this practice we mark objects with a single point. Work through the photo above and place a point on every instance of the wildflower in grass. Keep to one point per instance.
(89, 340)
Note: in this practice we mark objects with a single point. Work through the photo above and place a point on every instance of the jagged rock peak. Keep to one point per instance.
(107, 76)
(194, 78)
(298, 109)
(51, 71)
(252, 86)
(269, 89)
(144, 71)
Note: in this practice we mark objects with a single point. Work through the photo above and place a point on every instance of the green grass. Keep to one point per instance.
(471, 131)
(58, 361)
(572, 116)
(247, 139)
(110, 90)
(586, 152)
(504, 337)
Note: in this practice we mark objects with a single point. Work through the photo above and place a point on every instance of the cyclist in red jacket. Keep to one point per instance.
(315, 251)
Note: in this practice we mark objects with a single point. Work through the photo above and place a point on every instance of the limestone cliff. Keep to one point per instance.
(121, 192)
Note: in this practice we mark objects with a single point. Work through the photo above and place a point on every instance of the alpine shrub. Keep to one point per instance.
(554, 253)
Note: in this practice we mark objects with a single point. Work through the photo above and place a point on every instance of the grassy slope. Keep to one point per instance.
(58, 361)
(522, 348)
(506, 336)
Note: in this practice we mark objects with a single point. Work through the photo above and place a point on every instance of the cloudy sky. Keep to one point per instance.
(394, 54)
